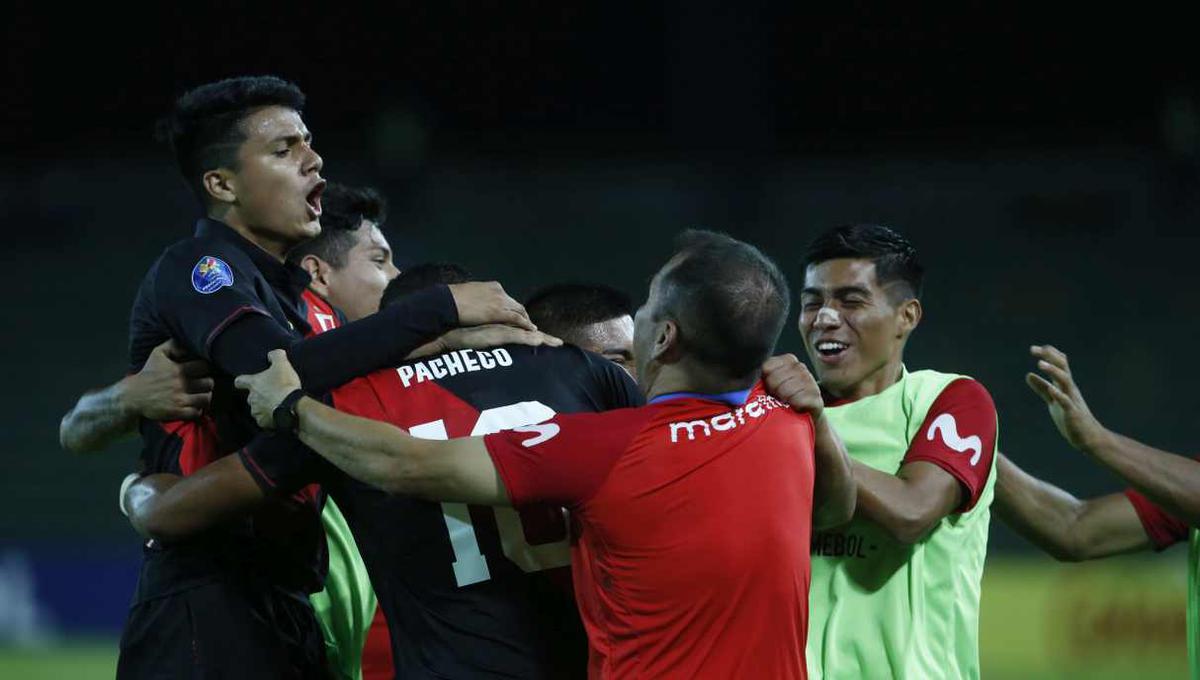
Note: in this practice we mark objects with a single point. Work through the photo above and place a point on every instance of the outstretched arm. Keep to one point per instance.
(1170, 481)
(1067, 528)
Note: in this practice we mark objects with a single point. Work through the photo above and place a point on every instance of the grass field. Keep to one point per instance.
(81, 660)
(1110, 620)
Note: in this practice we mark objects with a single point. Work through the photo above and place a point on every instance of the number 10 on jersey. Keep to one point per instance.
(470, 564)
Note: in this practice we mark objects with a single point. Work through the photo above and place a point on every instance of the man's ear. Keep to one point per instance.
(667, 342)
(319, 270)
(221, 185)
(910, 313)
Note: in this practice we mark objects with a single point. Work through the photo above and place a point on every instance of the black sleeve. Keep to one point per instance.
(200, 299)
(617, 388)
(338, 356)
(281, 464)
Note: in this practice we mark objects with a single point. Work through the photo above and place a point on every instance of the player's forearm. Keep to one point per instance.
(98, 419)
(1170, 481)
(834, 490)
(172, 508)
(370, 451)
(333, 358)
(1042, 513)
(382, 340)
(907, 510)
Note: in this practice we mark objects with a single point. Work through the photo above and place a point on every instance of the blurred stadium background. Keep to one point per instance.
(1046, 165)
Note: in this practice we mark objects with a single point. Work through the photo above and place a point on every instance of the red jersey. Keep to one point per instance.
(692, 520)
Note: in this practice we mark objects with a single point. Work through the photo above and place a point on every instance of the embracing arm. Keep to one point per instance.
(170, 508)
(169, 387)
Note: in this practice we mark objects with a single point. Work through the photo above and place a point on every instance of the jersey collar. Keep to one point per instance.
(735, 398)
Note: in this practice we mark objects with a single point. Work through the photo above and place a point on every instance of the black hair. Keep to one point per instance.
(894, 256)
(204, 128)
(421, 276)
(729, 299)
(563, 309)
(343, 210)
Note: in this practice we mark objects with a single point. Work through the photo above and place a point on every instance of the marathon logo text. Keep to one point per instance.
(725, 421)
(453, 363)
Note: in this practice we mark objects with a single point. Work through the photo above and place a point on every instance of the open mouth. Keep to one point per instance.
(314, 199)
(831, 350)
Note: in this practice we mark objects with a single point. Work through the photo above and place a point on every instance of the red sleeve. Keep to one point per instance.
(1163, 529)
(564, 460)
(959, 436)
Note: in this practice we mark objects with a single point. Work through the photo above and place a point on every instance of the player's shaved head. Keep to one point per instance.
(894, 256)
(729, 300)
(204, 128)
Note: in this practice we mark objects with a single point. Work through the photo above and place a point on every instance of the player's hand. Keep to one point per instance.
(170, 386)
(788, 380)
(1062, 396)
(484, 337)
(487, 303)
(268, 388)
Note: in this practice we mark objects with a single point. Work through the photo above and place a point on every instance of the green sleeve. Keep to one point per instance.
(345, 607)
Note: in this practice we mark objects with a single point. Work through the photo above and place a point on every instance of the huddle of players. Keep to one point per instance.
(690, 559)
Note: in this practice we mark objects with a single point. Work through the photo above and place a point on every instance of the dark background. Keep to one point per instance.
(1046, 165)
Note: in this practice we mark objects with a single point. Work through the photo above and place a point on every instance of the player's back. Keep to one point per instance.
(473, 591)
(705, 542)
(694, 514)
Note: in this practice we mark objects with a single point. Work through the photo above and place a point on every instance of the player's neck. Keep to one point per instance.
(874, 383)
(234, 221)
(676, 378)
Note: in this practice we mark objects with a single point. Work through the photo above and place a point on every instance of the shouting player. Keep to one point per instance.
(895, 592)
(467, 591)
(691, 514)
(1161, 507)
(233, 602)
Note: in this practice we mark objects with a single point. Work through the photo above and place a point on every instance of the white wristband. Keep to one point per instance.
(125, 484)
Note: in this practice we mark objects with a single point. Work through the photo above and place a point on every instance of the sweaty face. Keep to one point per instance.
(356, 286)
(612, 339)
(853, 332)
(278, 181)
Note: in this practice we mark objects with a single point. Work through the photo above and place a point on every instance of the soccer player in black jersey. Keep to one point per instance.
(232, 603)
(468, 591)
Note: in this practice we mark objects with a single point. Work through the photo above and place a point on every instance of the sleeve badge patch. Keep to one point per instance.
(210, 275)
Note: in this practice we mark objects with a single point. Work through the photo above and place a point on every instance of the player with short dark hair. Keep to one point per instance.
(467, 590)
(895, 591)
(666, 584)
(596, 317)
(350, 262)
(233, 602)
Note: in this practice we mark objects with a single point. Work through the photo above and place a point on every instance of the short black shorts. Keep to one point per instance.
(222, 630)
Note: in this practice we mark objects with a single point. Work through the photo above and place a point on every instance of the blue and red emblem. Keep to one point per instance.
(210, 275)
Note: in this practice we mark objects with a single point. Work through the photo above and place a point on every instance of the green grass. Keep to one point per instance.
(77, 660)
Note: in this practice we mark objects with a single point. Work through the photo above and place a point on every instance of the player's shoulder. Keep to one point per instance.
(207, 251)
(953, 390)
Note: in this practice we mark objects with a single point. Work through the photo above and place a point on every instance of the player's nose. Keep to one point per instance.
(827, 317)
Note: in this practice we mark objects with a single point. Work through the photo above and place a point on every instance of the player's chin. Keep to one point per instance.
(307, 229)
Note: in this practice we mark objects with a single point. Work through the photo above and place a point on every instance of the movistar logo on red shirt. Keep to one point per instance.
(453, 363)
(947, 427)
(724, 422)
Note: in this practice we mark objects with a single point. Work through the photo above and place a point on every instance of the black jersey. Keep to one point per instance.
(468, 591)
